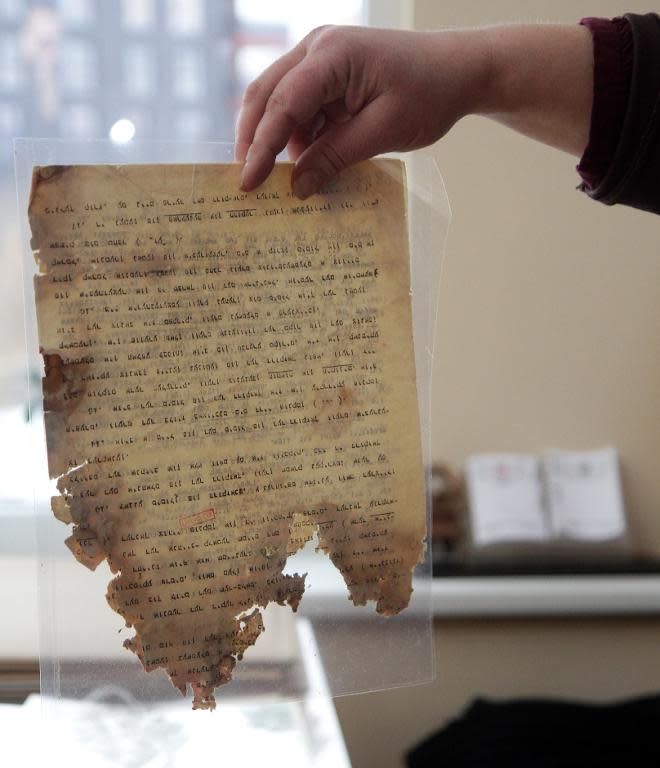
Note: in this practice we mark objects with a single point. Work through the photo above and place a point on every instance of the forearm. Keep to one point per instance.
(540, 82)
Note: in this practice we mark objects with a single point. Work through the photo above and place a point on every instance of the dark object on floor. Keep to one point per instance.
(546, 734)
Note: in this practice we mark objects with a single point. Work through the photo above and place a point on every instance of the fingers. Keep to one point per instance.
(296, 99)
(256, 97)
(341, 145)
(300, 103)
(305, 134)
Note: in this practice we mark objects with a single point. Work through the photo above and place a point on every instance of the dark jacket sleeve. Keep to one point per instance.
(633, 177)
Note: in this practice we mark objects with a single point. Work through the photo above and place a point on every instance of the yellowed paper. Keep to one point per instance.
(226, 375)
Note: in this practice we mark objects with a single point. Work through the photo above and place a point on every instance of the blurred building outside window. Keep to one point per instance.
(186, 18)
(138, 15)
(139, 71)
(188, 74)
(76, 12)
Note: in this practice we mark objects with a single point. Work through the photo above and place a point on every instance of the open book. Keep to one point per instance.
(573, 495)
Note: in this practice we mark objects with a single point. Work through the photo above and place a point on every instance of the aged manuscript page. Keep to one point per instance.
(227, 374)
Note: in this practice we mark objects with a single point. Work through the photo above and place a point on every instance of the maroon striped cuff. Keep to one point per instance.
(613, 62)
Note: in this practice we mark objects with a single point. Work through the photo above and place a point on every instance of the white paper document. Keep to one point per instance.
(584, 494)
(505, 498)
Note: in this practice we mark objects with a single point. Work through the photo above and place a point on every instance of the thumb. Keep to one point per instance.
(340, 146)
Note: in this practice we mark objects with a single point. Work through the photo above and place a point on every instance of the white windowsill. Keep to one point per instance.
(620, 595)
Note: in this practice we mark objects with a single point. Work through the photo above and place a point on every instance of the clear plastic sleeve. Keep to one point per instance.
(354, 648)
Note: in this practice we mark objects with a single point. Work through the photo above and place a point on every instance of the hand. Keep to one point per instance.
(345, 94)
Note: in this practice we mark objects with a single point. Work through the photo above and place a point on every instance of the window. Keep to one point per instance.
(138, 15)
(298, 18)
(143, 118)
(11, 119)
(10, 9)
(10, 63)
(191, 124)
(253, 58)
(79, 67)
(139, 71)
(80, 121)
(188, 76)
(185, 18)
(76, 12)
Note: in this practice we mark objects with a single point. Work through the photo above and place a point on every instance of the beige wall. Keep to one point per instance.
(549, 323)
(548, 335)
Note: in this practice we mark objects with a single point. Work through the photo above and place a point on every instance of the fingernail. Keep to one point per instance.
(237, 124)
(245, 173)
(306, 184)
(239, 152)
